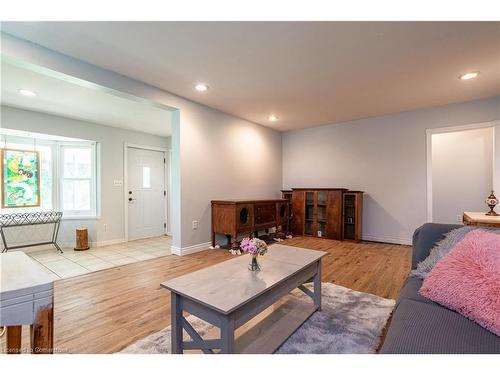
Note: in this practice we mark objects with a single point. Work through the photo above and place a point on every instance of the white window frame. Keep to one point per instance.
(77, 214)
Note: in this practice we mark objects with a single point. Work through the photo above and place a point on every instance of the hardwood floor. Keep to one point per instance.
(105, 311)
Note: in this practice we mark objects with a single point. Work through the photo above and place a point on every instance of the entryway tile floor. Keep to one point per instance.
(74, 263)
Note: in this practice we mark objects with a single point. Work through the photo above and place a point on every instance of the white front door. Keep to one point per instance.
(145, 193)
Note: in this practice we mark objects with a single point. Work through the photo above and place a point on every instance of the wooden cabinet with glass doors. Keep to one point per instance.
(317, 212)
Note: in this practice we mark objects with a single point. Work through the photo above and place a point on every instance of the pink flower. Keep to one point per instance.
(253, 246)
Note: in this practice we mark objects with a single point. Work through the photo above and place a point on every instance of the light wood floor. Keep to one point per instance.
(105, 311)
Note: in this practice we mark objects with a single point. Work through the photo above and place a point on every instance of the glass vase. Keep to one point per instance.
(254, 264)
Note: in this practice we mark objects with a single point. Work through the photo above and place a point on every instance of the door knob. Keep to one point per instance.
(131, 199)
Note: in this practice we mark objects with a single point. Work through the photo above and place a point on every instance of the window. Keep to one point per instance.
(77, 179)
(68, 172)
(146, 178)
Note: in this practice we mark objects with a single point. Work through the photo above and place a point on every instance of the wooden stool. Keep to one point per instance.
(82, 239)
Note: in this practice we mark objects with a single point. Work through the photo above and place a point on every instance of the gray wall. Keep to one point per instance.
(111, 141)
(383, 156)
(223, 157)
(462, 173)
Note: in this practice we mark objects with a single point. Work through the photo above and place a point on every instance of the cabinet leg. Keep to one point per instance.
(42, 333)
(234, 245)
(279, 232)
(14, 339)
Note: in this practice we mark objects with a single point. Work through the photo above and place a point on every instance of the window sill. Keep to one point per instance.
(83, 217)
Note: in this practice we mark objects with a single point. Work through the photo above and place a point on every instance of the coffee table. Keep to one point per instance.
(228, 295)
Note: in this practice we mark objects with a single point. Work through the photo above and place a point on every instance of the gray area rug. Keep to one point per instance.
(350, 322)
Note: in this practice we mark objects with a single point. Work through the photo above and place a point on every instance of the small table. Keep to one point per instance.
(227, 295)
(31, 218)
(481, 219)
(26, 297)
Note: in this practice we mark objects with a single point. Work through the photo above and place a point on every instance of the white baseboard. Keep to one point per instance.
(109, 242)
(190, 249)
(386, 239)
(95, 243)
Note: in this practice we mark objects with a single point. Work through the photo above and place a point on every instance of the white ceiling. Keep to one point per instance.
(62, 98)
(308, 73)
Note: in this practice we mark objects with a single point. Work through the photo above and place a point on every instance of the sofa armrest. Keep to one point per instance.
(426, 237)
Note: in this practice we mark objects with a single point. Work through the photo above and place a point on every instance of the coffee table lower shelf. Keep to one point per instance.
(270, 329)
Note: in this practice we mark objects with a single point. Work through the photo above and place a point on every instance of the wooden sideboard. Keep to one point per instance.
(240, 217)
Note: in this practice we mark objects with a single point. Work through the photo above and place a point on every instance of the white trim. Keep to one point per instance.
(190, 249)
(94, 244)
(387, 239)
(429, 133)
(126, 146)
(145, 147)
(428, 192)
(108, 242)
(87, 217)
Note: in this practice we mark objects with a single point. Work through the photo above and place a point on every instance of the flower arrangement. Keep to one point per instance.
(254, 247)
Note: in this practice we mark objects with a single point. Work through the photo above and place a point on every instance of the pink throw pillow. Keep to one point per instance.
(467, 280)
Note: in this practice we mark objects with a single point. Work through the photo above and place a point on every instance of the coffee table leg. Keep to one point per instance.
(227, 335)
(176, 323)
(317, 286)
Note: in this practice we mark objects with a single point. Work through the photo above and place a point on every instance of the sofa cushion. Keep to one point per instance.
(425, 237)
(426, 328)
(467, 280)
(410, 291)
(441, 249)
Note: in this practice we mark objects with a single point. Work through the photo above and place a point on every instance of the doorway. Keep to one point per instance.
(145, 192)
(460, 171)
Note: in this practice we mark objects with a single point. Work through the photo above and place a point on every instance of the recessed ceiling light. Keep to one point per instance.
(273, 118)
(27, 92)
(469, 75)
(201, 87)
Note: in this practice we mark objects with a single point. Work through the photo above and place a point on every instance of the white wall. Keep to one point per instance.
(384, 156)
(111, 141)
(462, 172)
(214, 155)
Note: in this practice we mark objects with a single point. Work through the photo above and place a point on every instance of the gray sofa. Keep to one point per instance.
(420, 326)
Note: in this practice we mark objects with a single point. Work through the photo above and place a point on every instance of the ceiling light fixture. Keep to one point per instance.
(469, 75)
(27, 92)
(201, 87)
(273, 118)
